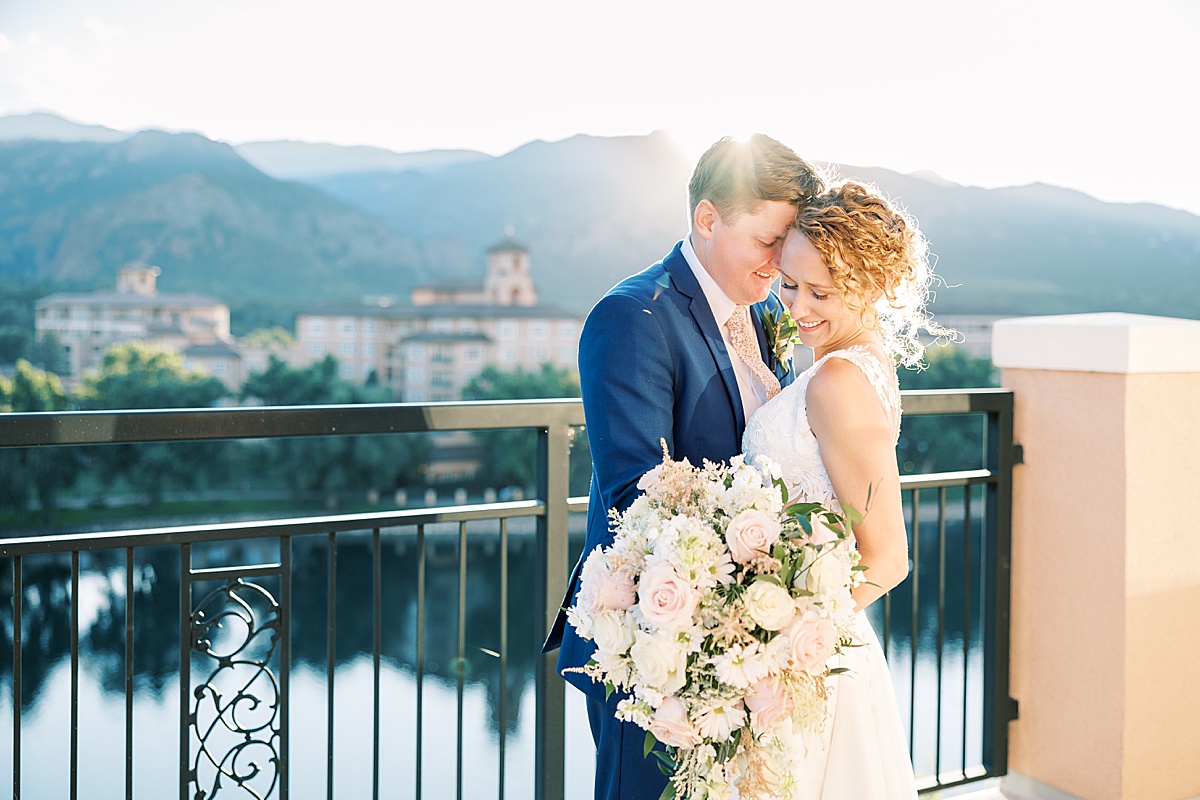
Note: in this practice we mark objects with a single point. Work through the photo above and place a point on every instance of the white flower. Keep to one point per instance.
(769, 605)
(613, 632)
(829, 572)
(718, 722)
(580, 620)
(742, 667)
(661, 661)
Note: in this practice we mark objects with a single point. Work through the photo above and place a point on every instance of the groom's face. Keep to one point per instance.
(741, 251)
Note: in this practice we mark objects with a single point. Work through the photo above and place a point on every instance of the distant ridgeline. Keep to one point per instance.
(335, 224)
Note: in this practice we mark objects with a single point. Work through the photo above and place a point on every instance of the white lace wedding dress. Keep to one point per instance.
(863, 753)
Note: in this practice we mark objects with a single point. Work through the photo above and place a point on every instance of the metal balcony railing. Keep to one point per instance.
(241, 639)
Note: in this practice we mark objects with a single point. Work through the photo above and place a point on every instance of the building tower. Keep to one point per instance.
(509, 281)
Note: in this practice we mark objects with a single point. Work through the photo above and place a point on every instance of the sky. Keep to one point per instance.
(1099, 96)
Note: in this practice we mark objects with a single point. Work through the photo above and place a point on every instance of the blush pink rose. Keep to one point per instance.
(671, 726)
(769, 703)
(821, 532)
(750, 534)
(610, 592)
(811, 641)
(666, 600)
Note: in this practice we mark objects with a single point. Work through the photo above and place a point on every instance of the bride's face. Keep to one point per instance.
(826, 322)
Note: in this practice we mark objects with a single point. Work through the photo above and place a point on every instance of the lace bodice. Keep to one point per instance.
(780, 431)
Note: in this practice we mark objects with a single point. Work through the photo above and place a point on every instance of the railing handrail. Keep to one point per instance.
(42, 428)
(48, 428)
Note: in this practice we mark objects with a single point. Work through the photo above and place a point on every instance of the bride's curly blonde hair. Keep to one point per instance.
(879, 260)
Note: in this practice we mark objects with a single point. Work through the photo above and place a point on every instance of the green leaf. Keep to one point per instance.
(767, 578)
(648, 745)
(608, 689)
(838, 670)
(668, 793)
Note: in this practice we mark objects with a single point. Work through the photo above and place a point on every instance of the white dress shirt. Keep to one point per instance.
(753, 393)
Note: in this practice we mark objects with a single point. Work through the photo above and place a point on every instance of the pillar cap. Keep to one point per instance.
(1105, 342)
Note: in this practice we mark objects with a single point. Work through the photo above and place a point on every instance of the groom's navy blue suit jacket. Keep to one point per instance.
(652, 366)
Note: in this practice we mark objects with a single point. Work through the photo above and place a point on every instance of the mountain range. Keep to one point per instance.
(282, 225)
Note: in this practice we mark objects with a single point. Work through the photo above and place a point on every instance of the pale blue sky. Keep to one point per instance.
(1098, 96)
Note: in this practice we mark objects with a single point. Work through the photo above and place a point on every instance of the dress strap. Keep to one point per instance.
(881, 377)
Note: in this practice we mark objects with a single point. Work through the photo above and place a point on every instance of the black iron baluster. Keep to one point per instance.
(330, 644)
(941, 623)
(129, 598)
(185, 669)
(285, 659)
(377, 632)
(503, 648)
(74, 789)
(462, 654)
(916, 596)
(420, 654)
(18, 624)
(966, 616)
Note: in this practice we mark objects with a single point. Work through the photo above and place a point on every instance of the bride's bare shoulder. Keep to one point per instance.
(840, 393)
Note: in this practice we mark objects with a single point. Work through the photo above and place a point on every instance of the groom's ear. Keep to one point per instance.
(704, 218)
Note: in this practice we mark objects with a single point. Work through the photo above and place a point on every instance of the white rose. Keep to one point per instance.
(829, 573)
(769, 605)
(661, 662)
(613, 632)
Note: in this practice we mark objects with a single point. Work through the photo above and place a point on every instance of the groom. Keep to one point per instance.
(678, 353)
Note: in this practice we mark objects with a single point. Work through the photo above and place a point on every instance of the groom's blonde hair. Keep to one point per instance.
(738, 176)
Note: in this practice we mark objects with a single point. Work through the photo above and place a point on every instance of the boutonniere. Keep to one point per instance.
(781, 331)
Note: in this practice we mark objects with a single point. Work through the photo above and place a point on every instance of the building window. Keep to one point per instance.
(508, 354)
(566, 355)
(538, 354)
(441, 379)
(474, 353)
(346, 348)
(414, 375)
(346, 369)
(441, 326)
(441, 354)
(219, 368)
(415, 396)
(368, 349)
(316, 327)
(566, 330)
(346, 326)
(537, 330)
(416, 352)
(316, 348)
(506, 328)
(467, 326)
(369, 327)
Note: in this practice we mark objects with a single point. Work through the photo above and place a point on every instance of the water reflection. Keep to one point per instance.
(491, 702)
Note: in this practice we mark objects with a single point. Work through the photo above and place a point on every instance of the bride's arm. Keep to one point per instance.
(858, 450)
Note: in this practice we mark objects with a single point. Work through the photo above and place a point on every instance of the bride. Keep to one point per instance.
(855, 277)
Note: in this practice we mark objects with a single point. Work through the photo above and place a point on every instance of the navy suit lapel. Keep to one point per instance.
(687, 285)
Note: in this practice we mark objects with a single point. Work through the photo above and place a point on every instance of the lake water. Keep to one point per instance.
(46, 672)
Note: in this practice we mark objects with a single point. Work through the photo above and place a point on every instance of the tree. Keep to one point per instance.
(510, 457)
(950, 441)
(330, 465)
(136, 376)
(41, 472)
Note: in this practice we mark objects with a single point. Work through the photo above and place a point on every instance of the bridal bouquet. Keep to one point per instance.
(716, 611)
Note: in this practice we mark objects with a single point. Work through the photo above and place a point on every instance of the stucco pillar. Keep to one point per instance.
(1105, 658)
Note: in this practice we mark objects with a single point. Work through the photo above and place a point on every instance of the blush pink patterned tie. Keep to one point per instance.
(745, 344)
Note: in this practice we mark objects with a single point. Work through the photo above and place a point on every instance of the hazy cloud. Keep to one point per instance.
(103, 32)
